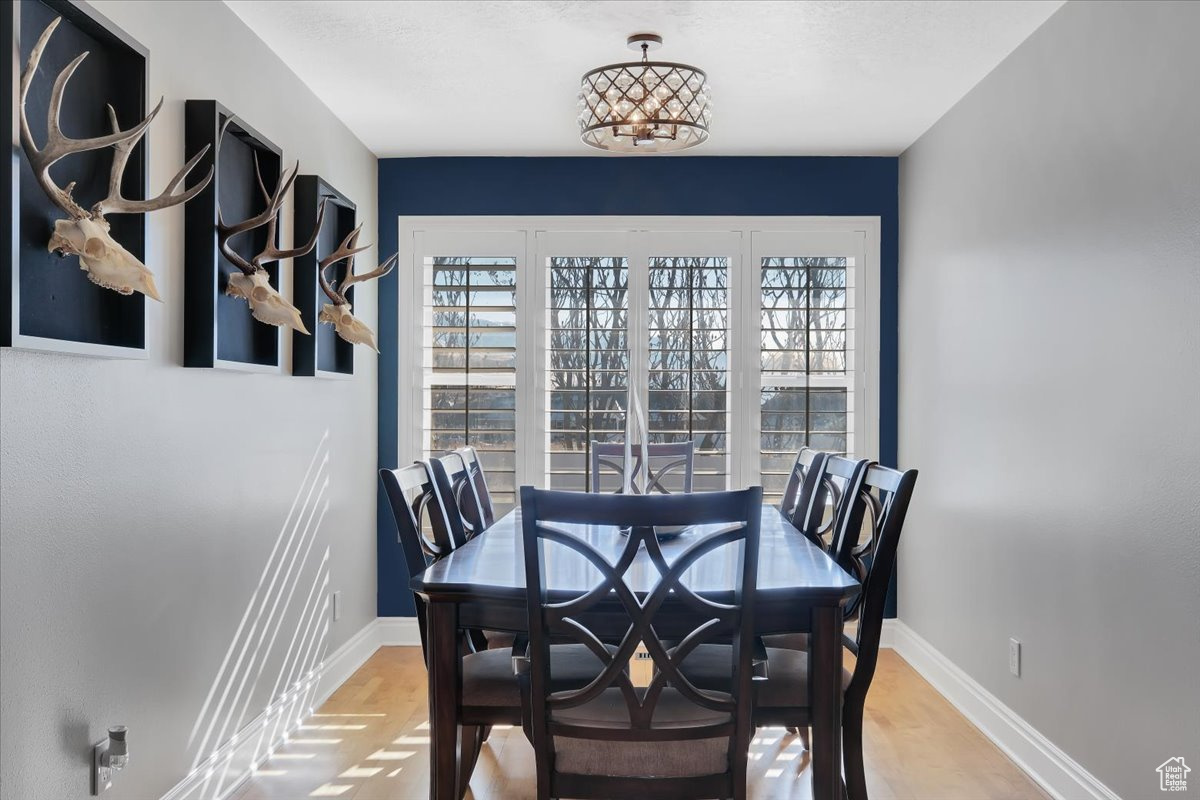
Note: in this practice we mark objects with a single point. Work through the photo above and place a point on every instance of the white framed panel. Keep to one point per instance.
(568, 243)
(418, 247)
(743, 240)
(720, 242)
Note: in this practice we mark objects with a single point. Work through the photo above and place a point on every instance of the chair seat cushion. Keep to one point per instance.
(710, 666)
(641, 758)
(499, 639)
(787, 641)
(488, 679)
(799, 641)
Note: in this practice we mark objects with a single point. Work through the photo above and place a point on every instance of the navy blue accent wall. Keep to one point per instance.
(642, 186)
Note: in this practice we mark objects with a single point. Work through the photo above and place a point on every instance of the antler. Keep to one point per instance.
(273, 253)
(57, 144)
(269, 217)
(115, 203)
(378, 272)
(346, 249)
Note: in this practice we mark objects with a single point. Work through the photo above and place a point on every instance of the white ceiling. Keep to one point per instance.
(501, 78)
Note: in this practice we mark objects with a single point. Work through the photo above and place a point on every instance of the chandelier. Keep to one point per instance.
(644, 106)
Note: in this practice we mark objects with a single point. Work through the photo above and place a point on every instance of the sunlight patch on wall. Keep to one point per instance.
(281, 641)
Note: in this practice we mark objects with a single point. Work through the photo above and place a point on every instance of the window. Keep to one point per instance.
(588, 369)
(471, 364)
(745, 336)
(689, 362)
(807, 361)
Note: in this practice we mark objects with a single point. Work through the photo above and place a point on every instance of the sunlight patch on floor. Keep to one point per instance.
(390, 755)
(417, 741)
(332, 727)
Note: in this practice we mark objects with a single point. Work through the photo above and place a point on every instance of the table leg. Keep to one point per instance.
(443, 667)
(825, 691)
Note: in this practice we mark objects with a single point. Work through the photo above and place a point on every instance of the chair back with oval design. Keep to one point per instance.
(456, 488)
(803, 489)
(483, 496)
(832, 501)
(421, 528)
(820, 493)
(667, 739)
(669, 463)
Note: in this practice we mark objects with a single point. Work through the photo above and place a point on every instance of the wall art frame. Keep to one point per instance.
(48, 303)
(324, 354)
(219, 331)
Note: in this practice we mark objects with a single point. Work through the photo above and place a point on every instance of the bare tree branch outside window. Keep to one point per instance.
(805, 372)
(589, 362)
(689, 361)
(805, 351)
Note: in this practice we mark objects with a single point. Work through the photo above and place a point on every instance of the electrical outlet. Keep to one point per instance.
(101, 772)
(1014, 657)
(337, 606)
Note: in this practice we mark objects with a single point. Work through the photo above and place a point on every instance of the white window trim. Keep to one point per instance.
(517, 236)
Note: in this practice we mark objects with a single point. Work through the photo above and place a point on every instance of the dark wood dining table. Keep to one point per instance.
(482, 585)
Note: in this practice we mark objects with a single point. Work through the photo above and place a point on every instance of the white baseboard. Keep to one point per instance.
(887, 636)
(1056, 772)
(398, 632)
(337, 667)
(220, 775)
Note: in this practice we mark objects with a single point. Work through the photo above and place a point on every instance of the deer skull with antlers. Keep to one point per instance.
(86, 233)
(338, 313)
(253, 282)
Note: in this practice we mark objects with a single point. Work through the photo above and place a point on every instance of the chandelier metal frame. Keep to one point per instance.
(645, 106)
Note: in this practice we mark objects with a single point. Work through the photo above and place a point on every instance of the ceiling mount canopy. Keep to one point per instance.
(644, 106)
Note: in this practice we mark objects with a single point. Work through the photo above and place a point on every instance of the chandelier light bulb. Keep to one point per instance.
(645, 106)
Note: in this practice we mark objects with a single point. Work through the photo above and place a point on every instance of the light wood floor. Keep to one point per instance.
(370, 742)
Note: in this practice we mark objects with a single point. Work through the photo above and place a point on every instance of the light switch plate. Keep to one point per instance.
(337, 606)
(1014, 657)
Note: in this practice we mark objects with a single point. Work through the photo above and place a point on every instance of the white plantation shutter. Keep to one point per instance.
(470, 364)
(807, 350)
(746, 338)
(587, 367)
(688, 332)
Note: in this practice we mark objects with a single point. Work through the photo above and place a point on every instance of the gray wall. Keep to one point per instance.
(143, 503)
(1049, 346)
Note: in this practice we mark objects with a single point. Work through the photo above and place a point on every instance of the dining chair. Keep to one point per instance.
(665, 459)
(867, 539)
(489, 691)
(479, 483)
(836, 491)
(460, 511)
(456, 486)
(611, 738)
(828, 490)
(803, 489)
